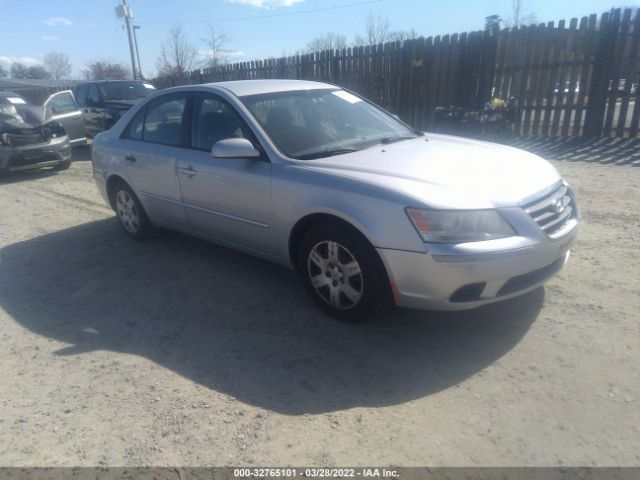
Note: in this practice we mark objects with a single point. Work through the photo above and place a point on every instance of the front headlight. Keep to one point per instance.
(459, 226)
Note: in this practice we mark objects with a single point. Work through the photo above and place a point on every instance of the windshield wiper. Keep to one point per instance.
(398, 138)
(328, 152)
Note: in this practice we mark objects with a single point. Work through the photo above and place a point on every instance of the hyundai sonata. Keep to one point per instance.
(367, 209)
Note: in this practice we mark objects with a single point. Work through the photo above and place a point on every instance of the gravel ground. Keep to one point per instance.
(178, 352)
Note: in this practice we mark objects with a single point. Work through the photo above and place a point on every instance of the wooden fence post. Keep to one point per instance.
(601, 72)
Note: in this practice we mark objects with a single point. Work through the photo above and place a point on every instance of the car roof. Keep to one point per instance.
(241, 88)
(87, 82)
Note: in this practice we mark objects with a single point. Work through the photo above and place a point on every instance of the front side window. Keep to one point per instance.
(60, 104)
(215, 120)
(308, 124)
(164, 121)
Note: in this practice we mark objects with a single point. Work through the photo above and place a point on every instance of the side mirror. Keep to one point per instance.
(90, 102)
(234, 148)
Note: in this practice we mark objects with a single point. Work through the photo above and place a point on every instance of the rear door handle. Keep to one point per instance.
(130, 158)
(189, 171)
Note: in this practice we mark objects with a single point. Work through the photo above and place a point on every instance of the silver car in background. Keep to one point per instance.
(368, 210)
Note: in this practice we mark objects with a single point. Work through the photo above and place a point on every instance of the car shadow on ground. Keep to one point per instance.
(81, 153)
(239, 325)
(7, 178)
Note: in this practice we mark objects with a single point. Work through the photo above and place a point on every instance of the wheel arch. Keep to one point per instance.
(310, 219)
(112, 181)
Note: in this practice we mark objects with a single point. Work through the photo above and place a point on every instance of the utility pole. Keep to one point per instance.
(124, 11)
(135, 41)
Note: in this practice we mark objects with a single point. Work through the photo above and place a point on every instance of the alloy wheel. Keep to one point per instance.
(127, 211)
(335, 274)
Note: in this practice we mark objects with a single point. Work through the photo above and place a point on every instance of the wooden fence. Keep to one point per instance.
(567, 79)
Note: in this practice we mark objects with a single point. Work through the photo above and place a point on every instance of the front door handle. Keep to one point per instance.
(189, 171)
(130, 158)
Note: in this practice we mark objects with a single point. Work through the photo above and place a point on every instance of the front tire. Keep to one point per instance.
(131, 214)
(342, 272)
(62, 166)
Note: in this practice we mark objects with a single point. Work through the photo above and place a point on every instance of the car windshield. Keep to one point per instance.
(320, 123)
(125, 90)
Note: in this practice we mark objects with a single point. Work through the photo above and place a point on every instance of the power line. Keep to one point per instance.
(258, 17)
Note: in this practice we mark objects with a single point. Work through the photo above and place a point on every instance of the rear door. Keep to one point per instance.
(150, 148)
(63, 108)
(90, 101)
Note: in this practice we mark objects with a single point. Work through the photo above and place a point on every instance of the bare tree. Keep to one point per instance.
(402, 35)
(520, 15)
(492, 23)
(177, 54)
(57, 64)
(103, 70)
(377, 29)
(38, 72)
(214, 54)
(328, 41)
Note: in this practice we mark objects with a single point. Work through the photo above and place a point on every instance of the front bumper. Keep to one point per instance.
(465, 276)
(50, 154)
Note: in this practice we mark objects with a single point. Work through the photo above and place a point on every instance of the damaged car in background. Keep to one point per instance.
(36, 136)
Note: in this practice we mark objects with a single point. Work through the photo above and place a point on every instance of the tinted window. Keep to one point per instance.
(60, 104)
(81, 94)
(136, 126)
(94, 94)
(125, 90)
(216, 120)
(164, 120)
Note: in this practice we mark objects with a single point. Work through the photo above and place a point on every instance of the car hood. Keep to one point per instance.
(443, 171)
(26, 118)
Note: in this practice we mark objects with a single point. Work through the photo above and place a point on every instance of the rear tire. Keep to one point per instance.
(342, 272)
(133, 219)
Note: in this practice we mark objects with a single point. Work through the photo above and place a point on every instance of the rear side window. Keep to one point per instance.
(94, 94)
(81, 94)
(164, 121)
(136, 126)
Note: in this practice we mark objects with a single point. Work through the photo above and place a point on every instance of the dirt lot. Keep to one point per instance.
(177, 352)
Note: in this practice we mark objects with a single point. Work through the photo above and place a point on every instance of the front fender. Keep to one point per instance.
(377, 213)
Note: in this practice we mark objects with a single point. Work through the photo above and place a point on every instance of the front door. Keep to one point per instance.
(62, 107)
(226, 198)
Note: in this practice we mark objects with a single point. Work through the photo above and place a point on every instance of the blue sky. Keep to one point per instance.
(88, 29)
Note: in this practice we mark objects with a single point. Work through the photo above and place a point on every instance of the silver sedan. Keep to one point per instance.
(368, 210)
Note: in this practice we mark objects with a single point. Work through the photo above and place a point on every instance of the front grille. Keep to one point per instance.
(23, 140)
(554, 211)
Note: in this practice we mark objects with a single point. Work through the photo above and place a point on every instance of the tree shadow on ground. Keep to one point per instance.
(239, 325)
